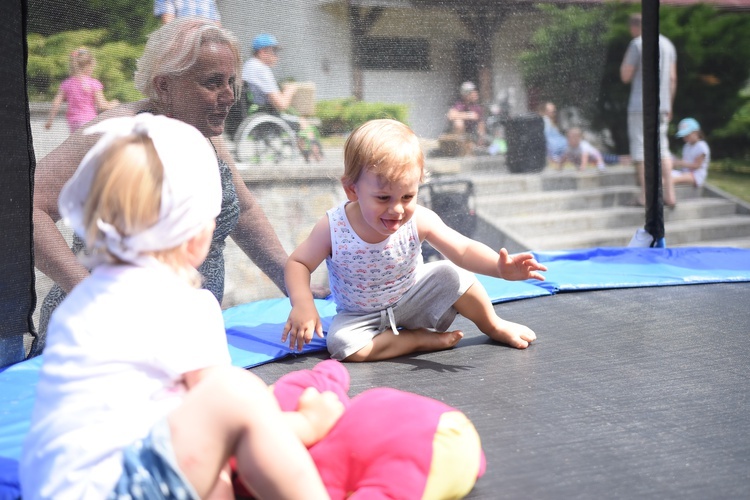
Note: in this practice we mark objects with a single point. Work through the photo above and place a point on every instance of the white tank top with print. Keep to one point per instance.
(368, 277)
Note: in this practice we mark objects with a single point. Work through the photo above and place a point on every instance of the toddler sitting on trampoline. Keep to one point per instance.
(137, 397)
(390, 303)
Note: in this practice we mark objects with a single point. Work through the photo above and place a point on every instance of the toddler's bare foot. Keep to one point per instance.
(450, 339)
(430, 340)
(387, 345)
(513, 334)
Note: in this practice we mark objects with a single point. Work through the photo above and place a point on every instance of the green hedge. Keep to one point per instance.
(339, 116)
(732, 166)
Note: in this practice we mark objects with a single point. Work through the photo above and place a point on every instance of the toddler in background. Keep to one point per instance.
(137, 397)
(83, 93)
(580, 152)
(389, 302)
(692, 168)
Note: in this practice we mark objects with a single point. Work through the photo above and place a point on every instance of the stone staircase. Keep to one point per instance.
(565, 210)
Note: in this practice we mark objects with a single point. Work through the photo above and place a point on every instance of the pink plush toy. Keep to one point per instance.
(388, 443)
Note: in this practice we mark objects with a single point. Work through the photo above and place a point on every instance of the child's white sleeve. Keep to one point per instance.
(198, 336)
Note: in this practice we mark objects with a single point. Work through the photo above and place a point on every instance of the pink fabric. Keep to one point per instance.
(80, 94)
(382, 445)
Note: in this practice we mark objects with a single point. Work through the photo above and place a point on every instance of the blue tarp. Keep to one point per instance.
(254, 329)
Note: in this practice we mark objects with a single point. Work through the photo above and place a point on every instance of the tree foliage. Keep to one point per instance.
(115, 30)
(574, 61)
(713, 67)
(124, 20)
(566, 63)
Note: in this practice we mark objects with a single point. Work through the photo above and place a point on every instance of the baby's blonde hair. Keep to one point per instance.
(126, 193)
(80, 60)
(385, 147)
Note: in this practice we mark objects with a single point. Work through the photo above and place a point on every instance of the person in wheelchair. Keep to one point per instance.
(274, 132)
(261, 83)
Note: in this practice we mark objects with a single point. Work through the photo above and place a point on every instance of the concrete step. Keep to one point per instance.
(551, 203)
(492, 183)
(608, 218)
(730, 242)
(530, 202)
(680, 232)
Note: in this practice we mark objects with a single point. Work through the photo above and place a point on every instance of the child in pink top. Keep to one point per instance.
(83, 93)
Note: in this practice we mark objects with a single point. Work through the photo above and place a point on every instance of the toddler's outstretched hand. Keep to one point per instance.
(519, 266)
(299, 328)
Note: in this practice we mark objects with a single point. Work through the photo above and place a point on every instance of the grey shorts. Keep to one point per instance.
(427, 304)
(635, 134)
(150, 470)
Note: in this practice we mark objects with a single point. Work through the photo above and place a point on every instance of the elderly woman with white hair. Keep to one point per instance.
(189, 72)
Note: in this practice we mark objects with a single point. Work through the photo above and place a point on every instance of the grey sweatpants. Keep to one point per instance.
(427, 304)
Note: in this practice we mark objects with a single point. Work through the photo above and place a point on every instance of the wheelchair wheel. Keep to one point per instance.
(265, 139)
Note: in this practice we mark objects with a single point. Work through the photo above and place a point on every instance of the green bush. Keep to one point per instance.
(566, 62)
(340, 116)
(49, 57)
(732, 138)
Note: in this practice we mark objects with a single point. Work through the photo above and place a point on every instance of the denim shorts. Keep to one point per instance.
(150, 470)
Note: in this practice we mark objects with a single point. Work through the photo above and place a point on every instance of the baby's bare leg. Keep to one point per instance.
(223, 489)
(387, 345)
(476, 306)
(232, 412)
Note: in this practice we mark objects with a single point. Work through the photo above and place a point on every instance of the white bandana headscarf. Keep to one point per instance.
(191, 189)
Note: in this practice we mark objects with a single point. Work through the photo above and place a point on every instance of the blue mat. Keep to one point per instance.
(254, 329)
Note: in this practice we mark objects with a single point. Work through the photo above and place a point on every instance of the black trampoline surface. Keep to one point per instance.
(627, 393)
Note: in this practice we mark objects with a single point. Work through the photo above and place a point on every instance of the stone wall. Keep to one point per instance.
(294, 198)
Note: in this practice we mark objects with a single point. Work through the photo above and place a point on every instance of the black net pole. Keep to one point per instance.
(651, 153)
(17, 298)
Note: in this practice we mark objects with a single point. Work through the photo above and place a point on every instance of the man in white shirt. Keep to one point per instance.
(631, 72)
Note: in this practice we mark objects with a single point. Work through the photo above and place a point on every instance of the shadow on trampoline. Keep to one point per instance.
(419, 364)
(628, 393)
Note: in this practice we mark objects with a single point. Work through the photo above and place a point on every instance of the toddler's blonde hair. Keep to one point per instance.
(80, 60)
(126, 193)
(385, 147)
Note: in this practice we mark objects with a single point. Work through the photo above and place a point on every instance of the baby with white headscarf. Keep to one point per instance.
(104, 201)
(136, 394)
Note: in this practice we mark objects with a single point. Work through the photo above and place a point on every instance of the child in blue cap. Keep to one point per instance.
(692, 168)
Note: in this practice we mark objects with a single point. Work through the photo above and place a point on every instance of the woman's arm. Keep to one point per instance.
(254, 233)
(51, 252)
